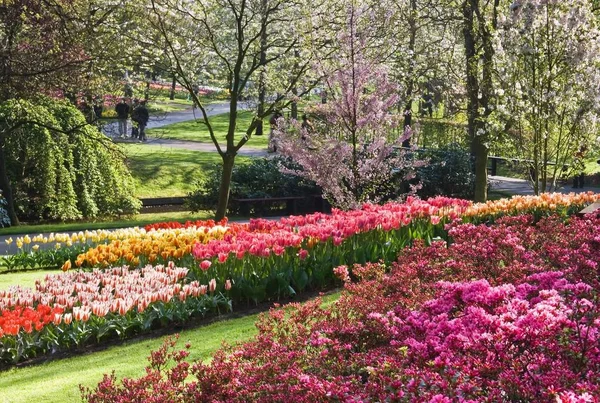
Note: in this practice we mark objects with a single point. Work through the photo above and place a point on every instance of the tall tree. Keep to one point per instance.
(350, 153)
(480, 21)
(242, 39)
(549, 82)
(39, 46)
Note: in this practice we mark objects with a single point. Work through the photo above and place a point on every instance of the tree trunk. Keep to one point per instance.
(412, 23)
(481, 159)
(294, 111)
(262, 79)
(173, 83)
(6, 186)
(228, 162)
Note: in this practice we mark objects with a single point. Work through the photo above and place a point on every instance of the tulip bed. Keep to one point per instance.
(73, 309)
(102, 248)
(240, 263)
(508, 312)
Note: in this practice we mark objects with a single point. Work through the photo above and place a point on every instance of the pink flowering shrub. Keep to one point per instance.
(504, 313)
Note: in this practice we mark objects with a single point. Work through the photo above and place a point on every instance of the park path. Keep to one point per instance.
(165, 119)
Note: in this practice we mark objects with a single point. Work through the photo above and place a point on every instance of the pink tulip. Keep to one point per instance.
(223, 257)
(205, 264)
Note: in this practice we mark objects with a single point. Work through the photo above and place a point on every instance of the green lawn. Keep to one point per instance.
(23, 278)
(57, 381)
(162, 171)
(194, 131)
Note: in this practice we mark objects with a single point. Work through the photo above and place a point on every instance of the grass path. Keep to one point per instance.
(58, 381)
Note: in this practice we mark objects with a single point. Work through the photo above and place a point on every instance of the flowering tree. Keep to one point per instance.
(350, 154)
(550, 83)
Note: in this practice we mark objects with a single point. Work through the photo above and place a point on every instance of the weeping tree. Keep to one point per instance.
(59, 166)
(242, 43)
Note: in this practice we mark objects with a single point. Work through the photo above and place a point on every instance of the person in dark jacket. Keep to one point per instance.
(122, 110)
(140, 115)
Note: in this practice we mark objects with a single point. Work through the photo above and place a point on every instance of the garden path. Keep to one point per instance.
(157, 121)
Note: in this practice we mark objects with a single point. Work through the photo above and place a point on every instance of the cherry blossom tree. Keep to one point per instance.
(350, 152)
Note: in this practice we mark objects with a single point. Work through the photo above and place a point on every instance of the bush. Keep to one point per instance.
(4, 219)
(60, 167)
(263, 177)
(449, 173)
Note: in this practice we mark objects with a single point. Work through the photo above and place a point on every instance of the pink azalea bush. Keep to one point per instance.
(508, 312)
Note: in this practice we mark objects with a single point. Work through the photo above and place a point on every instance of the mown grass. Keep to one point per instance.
(23, 278)
(58, 381)
(195, 131)
(163, 172)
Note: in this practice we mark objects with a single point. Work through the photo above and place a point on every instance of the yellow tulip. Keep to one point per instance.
(67, 265)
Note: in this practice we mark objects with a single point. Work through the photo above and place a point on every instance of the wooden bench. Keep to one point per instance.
(162, 204)
(291, 203)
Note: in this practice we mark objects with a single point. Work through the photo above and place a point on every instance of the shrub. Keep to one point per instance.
(449, 173)
(4, 219)
(263, 177)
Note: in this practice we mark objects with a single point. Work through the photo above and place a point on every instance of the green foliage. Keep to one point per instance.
(60, 167)
(262, 177)
(449, 173)
(437, 133)
(4, 219)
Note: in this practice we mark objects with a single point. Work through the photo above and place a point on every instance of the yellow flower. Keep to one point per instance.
(9, 241)
(67, 265)
(35, 247)
(26, 239)
(19, 243)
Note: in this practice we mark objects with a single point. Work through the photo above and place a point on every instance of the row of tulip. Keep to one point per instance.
(274, 259)
(70, 309)
(505, 312)
(101, 248)
(163, 242)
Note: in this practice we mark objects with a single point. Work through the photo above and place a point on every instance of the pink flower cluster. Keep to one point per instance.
(509, 312)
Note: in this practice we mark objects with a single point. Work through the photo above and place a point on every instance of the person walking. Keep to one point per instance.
(140, 115)
(122, 110)
(579, 167)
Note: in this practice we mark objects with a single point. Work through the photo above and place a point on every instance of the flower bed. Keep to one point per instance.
(249, 263)
(508, 312)
(76, 308)
(101, 248)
